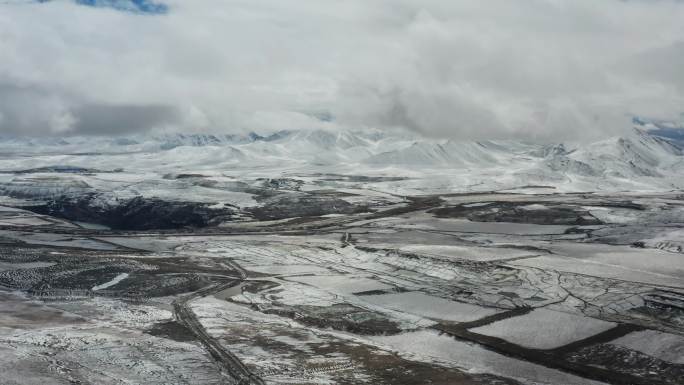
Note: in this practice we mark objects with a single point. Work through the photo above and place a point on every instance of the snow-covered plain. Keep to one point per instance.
(340, 258)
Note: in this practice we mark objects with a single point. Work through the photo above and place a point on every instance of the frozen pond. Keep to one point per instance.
(424, 305)
(544, 329)
(430, 346)
(342, 283)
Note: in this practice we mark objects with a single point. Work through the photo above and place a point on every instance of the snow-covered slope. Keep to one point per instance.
(635, 155)
(635, 160)
(445, 154)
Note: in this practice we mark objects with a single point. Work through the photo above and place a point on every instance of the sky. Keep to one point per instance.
(465, 69)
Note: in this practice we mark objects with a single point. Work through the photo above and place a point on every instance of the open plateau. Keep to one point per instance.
(314, 257)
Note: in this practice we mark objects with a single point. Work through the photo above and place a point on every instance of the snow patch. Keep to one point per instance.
(111, 283)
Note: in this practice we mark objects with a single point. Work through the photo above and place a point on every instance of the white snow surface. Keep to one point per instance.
(636, 161)
(544, 329)
(429, 346)
(111, 283)
(665, 346)
(424, 305)
(342, 283)
(608, 261)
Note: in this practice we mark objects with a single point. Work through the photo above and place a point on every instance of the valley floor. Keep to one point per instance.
(488, 288)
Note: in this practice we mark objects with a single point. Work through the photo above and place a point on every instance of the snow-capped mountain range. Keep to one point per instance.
(639, 159)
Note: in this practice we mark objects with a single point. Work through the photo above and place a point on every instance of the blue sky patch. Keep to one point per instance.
(135, 6)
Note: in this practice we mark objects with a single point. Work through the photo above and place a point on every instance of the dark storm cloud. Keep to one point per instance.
(102, 119)
(28, 109)
(32, 110)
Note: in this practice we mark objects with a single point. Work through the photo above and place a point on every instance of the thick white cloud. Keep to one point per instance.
(459, 68)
